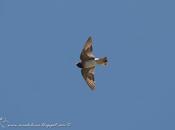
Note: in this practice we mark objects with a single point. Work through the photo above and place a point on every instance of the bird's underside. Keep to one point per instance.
(88, 63)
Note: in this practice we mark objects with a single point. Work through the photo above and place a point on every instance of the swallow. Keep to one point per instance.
(88, 63)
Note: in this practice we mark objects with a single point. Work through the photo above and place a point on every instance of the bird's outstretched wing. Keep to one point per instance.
(88, 75)
(86, 53)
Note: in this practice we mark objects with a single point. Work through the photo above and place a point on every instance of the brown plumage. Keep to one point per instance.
(88, 63)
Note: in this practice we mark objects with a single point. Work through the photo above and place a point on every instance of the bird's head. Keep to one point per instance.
(79, 65)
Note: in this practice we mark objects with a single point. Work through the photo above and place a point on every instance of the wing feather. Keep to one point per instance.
(88, 75)
(86, 53)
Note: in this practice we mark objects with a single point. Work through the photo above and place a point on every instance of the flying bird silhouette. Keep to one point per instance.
(88, 63)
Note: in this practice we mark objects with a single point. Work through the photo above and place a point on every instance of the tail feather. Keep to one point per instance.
(102, 61)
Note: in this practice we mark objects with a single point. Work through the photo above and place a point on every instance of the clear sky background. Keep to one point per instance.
(40, 43)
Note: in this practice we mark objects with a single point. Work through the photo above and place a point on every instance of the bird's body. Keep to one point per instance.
(88, 63)
(93, 62)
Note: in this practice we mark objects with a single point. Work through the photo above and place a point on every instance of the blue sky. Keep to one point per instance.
(40, 43)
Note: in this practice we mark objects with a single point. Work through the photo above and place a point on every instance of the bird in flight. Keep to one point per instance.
(88, 63)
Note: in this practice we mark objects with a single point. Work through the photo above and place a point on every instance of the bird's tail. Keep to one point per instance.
(102, 61)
